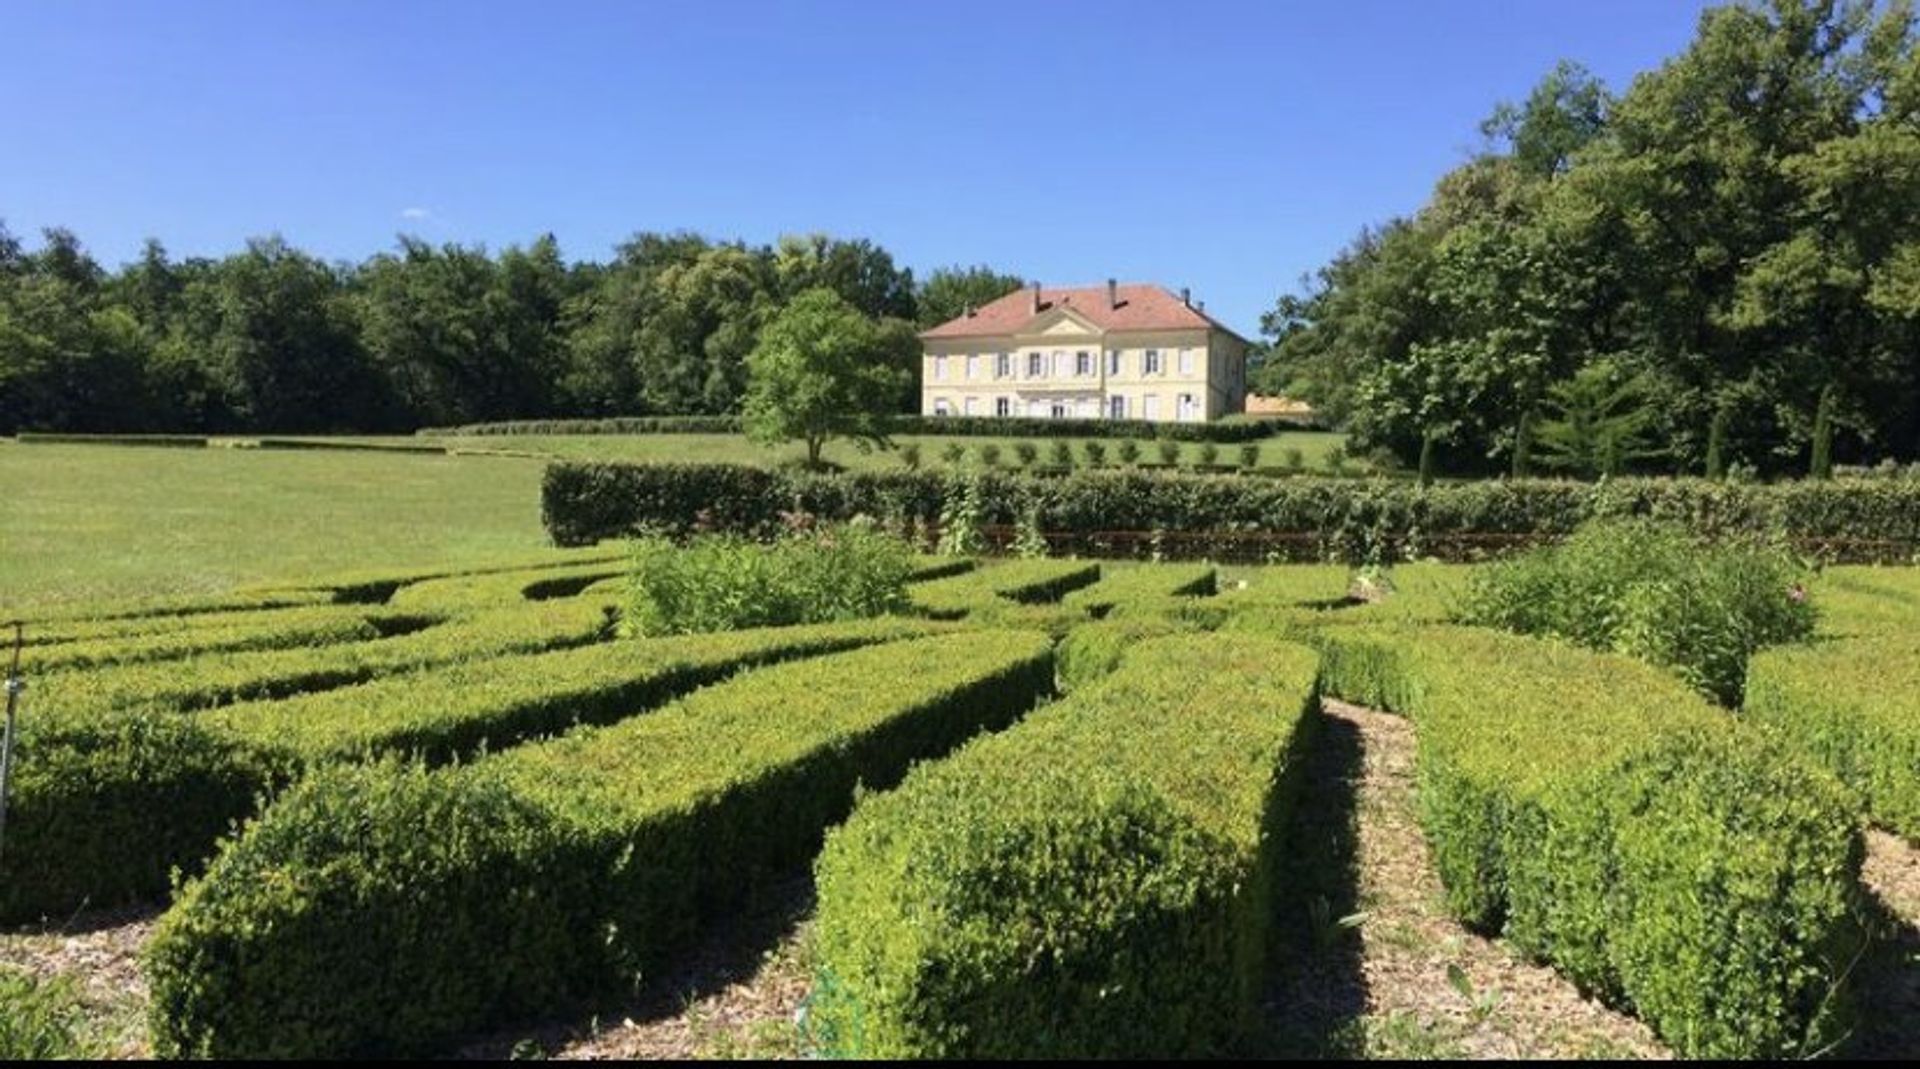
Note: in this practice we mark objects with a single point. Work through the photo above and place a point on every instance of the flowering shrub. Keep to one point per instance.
(725, 582)
(1655, 592)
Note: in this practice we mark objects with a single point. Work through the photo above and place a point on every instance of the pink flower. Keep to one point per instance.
(1796, 593)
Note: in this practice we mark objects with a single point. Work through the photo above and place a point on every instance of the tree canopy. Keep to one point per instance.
(822, 370)
(1737, 230)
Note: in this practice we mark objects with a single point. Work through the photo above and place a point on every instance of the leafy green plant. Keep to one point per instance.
(1027, 452)
(1335, 460)
(989, 453)
(1060, 451)
(961, 515)
(1169, 452)
(1029, 542)
(39, 1019)
(1655, 592)
(1249, 456)
(1294, 458)
(724, 582)
(910, 456)
(1129, 452)
(1599, 422)
(1095, 452)
(953, 453)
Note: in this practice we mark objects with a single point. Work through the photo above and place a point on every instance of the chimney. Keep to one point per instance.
(1036, 298)
(1113, 293)
(1186, 296)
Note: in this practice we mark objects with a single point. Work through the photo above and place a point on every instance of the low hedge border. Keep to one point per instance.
(500, 589)
(1245, 430)
(1218, 516)
(177, 441)
(1849, 705)
(300, 629)
(1098, 881)
(404, 907)
(1027, 582)
(1610, 821)
(1149, 583)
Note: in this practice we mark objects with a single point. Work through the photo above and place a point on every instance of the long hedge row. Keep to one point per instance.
(1216, 515)
(493, 589)
(104, 809)
(1097, 881)
(382, 908)
(1143, 585)
(1610, 821)
(1851, 705)
(293, 629)
(1026, 582)
(1246, 430)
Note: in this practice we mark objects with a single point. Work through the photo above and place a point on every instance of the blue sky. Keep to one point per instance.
(1229, 147)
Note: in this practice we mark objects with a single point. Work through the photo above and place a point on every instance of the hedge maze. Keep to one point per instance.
(1045, 808)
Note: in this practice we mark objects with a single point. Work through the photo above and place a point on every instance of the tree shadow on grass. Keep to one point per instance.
(1317, 991)
(725, 954)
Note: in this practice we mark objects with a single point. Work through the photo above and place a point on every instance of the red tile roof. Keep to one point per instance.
(1140, 306)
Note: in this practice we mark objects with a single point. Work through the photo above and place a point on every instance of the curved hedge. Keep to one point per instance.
(388, 909)
(1025, 582)
(1304, 518)
(1610, 821)
(1097, 881)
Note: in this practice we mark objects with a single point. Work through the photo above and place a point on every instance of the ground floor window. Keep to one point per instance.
(1002, 406)
(941, 407)
(1059, 410)
(973, 406)
(1116, 408)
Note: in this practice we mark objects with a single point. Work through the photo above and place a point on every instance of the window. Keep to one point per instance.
(1152, 366)
(973, 365)
(1003, 366)
(941, 408)
(1003, 407)
(1150, 406)
(1116, 407)
(972, 406)
(1036, 365)
(939, 367)
(1083, 363)
(1059, 363)
(1059, 410)
(1189, 409)
(1186, 361)
(1113, 362)
(1036, 408)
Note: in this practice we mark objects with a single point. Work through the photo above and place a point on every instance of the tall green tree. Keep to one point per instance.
(947, 292)
(821, 370)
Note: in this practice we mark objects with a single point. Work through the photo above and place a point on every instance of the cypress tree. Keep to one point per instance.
(1822, 464)
(1717, 443)
(1523, 444)
(1426, 457)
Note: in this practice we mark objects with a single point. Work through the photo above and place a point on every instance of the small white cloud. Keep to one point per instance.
(416, 213)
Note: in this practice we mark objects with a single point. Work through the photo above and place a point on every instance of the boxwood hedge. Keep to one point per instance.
(1612, 822)
(497, 589)
(1850, 705)
(387, 909)
(1027, 582)
(1306, 519)
(1149, 583)
(1245, 430)
(292, 630)
(1097, 881)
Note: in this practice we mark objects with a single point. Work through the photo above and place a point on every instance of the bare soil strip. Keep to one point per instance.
(1889, 1007)
(1379, 969)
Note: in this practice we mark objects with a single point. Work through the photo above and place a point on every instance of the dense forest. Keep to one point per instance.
(1719, 265)
(272, 339)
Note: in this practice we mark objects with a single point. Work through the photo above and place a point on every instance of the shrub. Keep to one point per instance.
(1129, 452)
(1091, 651)
(1151, 583)
(1029, 582)
(953, 453)
(1209, 454)
(1849, 706)
(1249, 456)
(498, 590)
(1294, 458)
(39, 1019)
(1027, 452)
(1095, 452)
(1621, 828)
(1169, 453)
(724, 582)
(1238, 430)
(407, 907)
(910, 456)
(1060, 451)
(1100, 879)
(290, 629)
(1335, 459)
(989, 454)
(1654, 592)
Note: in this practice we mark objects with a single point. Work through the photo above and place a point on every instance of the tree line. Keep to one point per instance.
(272, 339)
(1720, 265)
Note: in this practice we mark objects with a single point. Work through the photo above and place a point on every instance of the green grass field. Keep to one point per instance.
(95, 522)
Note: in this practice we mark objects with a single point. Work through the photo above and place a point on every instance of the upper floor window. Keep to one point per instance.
(1036, 365)
(1059, 363)
(1003, 365)
(973, 364)
(1083, 363)
(1152, 365)
(939, 367)
(1113, 362)
(1186, 361)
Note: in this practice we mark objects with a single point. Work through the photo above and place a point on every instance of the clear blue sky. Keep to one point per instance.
(1229, 147)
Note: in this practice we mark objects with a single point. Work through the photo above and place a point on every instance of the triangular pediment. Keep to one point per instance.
(1061, 320)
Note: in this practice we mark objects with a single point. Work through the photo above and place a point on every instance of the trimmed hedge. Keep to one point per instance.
(1028, 582)
(1612, 822)
(1246, 430)
(179, 441)
(155, 628)
(153, 610)
(1850, 705)
(382, 908)
(500, 589)
(367, 447)
(494, 703)
(1098, 881)
(296, 629)
(1217, 515)
(1147, 583)
(1091, 651)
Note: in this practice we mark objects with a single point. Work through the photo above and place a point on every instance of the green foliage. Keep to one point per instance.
(1169, 452)
(1146, 584)
(725, 583)
(1619, 827)
(1029, 541)
(1209, 454)
(1598, 424)
(1060, 452)
(910, 456)
(1654, 592)
(948, 292)
(961, 514)
(393, 918)
(1865, 519)
(1129, 452)
(1027, 452)
(1848, 705)
(1028, 582)
(1717, 442)
(286, 630)
(989, 454)
(1820, 465)
(953, 453)
(1294, 458)
(1249, 456)
(1092, 651)
(820, 371)
(39, 1019)
(1426, 459)
(1096, 453)
(1104, 873)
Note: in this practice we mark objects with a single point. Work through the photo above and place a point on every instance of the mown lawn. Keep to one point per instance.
(95, 522)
